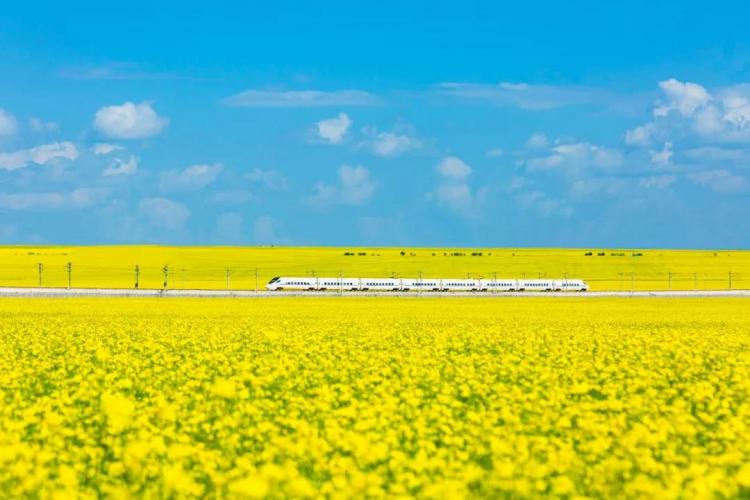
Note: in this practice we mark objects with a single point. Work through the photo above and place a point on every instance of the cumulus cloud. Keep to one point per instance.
(79, 198)
(390, 143)
(129, 121)
(192, 178)
(40, 155)
(662, 157)
(301, 98)
(577, 156)
(271, 179)
(683, 97)
(122, 167)
(163, 213)
(334, 129)
(689, 111)
(640, 135)
(39, 125)
(104, 148)
(453, 190)
(720, 180)
(8, 123)
(453, 167)
(354, 187)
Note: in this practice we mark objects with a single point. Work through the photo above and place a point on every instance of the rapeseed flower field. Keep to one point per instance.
(251, 267)
(356, 397)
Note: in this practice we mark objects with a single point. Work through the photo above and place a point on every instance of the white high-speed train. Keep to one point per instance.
(427, 284)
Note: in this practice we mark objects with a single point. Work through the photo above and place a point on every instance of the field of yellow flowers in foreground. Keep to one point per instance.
(374, 397)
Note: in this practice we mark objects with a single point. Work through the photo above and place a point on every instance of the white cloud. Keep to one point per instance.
(454, 168)
(578, 156)
(543, 204)
(392, 143)
(690, 112)
(657, 181)
(521, 95)
(354, 187)
(537, 141)
(457, 196)
(333, 130)
(494, 153)
(683, 97)
(722, 181)
(454, 190)
(103, 148)
(233, 197)
(79, 198)
(192, 178)
(41, 155)
(387, 144)
(662, 157)
(301, 98)
(640, 135)
(737, 111)
(163, 213)
(8, 123)
(129, 121)
(122, 167)
(272, 179)
(39, 125)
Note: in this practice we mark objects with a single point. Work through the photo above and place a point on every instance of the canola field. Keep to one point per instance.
(354, 397)
(250, 267)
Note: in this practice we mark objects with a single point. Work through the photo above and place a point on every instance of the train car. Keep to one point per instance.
(380, 284)
(458, 285)
(284, 283)
(566, 285)
(427, 284)
(422, 285)
(499, 285)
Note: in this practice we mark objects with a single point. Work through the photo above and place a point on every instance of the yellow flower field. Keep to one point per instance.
(251, 267)
(374, 397)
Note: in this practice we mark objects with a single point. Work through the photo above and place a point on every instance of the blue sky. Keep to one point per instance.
(389, 123)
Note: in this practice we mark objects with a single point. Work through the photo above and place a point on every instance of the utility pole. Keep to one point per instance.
(137, 276)
(40, 268)
(229, 273)
(165, 273)
(670, 280)
(69, 268)
(730, 280)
